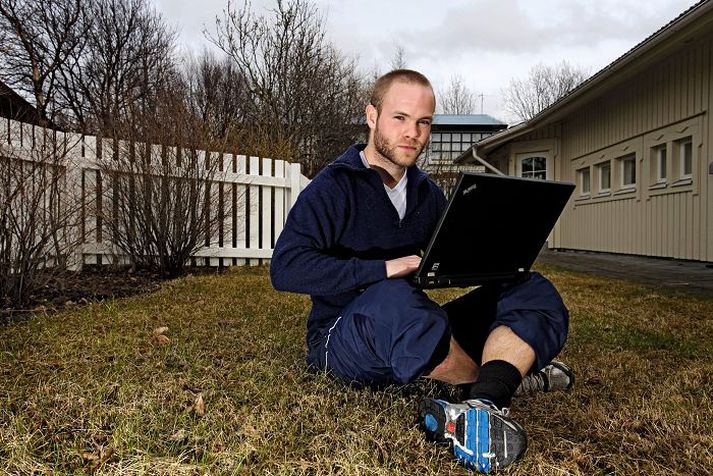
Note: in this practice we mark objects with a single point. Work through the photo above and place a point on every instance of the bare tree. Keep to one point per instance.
(128, 58)
(525, 98)
(456, 98)
(40, 37)
(39, 215)
(398, 60)
(303, 96)
(217, 93)
(160, 189)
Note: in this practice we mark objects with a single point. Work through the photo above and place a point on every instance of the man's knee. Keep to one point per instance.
(391, 326)
(396, 304)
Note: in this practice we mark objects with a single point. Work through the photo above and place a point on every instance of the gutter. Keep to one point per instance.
(484, 163)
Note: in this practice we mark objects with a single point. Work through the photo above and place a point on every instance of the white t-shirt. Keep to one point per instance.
(397, 195)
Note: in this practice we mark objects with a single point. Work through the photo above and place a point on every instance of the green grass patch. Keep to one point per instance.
(93, 390)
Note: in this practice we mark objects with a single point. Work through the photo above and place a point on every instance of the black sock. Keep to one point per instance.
(496, 382)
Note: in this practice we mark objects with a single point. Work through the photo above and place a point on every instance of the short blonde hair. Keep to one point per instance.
(384, 82)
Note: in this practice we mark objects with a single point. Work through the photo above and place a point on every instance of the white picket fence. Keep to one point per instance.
(248, 233)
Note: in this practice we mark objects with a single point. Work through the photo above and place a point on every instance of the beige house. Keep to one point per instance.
(636, 140)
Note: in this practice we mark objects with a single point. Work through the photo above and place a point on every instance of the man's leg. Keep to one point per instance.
(509, 331)
(391, 333)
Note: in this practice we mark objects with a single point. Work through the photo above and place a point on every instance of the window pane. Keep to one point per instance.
(436, 137)
(542, 175)
(662, 173)
(446, 146)
(629, 175)
(605, 177)
(455, 137)
(526, 165)
(446, 137)
(586, 184)
(467, 138)
(687, 154)
(540, 163)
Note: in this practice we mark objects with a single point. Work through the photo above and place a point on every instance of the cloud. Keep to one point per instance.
(517, 27)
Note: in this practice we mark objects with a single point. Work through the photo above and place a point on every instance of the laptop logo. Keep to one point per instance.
(435, 266)
(470, 189)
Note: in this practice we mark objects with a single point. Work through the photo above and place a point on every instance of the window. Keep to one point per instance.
(685, 151)
(604, 177)
(534, 167)
(585, 185)
(660, 160)
(628, 171)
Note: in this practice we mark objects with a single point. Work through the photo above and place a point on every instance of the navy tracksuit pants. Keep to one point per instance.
(393, 333)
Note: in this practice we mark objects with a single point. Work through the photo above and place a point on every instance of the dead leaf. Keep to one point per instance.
(107, 455)
(199, 406)
(160, 330)
(160, 339)
(89, 456)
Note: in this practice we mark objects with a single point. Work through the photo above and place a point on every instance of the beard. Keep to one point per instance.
(391, 152)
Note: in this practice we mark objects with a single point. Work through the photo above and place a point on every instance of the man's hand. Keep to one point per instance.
(400, 267)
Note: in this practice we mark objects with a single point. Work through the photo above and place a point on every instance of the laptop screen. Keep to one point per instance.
(493, 228)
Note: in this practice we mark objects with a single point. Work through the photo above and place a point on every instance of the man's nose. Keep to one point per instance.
(412, 130)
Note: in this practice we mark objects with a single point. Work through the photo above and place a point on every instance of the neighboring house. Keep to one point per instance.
(635, 138)
(451, 135)
(13, 106)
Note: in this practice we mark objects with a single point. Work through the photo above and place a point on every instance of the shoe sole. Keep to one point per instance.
(482, 440)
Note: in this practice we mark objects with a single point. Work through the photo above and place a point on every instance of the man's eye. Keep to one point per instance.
(425, 123)
(399, 118)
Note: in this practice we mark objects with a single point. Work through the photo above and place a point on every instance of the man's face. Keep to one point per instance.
(402, 128)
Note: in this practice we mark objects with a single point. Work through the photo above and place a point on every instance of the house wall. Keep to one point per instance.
(659, 107)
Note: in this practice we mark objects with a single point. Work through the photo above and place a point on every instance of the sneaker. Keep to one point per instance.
(484, 438)
(555, 376)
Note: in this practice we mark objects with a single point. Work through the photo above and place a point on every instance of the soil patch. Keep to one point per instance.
(93, 283)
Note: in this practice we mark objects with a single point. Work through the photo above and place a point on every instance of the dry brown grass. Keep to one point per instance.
(92, 390)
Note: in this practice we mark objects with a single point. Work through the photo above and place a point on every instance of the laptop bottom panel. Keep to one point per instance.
(468, 281)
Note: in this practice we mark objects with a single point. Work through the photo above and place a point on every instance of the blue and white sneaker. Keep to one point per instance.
(484, 438)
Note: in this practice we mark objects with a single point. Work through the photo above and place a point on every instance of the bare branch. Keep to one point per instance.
(525, 98)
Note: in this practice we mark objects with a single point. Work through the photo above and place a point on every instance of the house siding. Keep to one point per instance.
(661, 105)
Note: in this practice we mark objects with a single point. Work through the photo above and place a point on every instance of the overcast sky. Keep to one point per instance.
(486, 42)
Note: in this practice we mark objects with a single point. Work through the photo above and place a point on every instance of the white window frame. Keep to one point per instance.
(521, 173)
(624, 160)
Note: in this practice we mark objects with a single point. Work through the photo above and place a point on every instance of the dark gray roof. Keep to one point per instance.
(466, 120)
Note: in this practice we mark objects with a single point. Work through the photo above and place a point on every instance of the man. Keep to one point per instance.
(351, 241)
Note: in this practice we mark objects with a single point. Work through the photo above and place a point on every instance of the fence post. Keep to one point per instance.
(253, 212)
(295, 185)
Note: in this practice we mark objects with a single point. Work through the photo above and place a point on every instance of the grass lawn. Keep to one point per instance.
(225, 390)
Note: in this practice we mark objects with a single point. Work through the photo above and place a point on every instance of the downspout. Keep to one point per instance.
(484, 163)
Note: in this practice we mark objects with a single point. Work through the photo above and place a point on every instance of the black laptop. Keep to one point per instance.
(492, 230)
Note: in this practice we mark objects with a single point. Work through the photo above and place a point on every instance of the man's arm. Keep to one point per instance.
(301, 261)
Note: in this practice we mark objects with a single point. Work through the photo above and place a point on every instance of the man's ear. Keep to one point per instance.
(371, 115)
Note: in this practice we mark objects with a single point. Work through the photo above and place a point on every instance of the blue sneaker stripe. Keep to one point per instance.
(483, 440)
